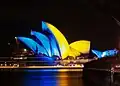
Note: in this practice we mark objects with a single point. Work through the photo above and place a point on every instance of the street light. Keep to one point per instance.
(25, 50)
(8, 43)
(15, 37)
(17, 43)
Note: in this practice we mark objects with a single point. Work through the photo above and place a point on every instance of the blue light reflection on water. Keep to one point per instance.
(40, 77)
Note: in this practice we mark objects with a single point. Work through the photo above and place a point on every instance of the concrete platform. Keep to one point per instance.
(41, 68)
(60, 67)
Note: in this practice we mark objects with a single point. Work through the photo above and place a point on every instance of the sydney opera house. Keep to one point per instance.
(50, 45)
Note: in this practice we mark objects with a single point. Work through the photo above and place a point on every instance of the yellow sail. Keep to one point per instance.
(74, 52)
(62, 42)
(82, 46)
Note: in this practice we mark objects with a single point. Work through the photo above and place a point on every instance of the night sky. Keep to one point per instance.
(77, 19)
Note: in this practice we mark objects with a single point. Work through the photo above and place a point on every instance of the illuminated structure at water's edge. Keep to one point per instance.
(52, 42)
(50, 46)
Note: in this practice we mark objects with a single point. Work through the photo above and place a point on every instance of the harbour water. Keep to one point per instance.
(40, 77)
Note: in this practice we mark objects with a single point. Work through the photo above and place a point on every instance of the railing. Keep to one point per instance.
(15, 62)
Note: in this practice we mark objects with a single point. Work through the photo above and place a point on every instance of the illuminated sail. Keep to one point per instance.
(97, 53)
(82, 46)
(109, 53)
(44, 41)
(105, 53)
(34, 46)
(53, 43)
(61, 40)
(74, 52)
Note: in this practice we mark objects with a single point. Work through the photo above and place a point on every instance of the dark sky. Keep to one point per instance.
(77, 19)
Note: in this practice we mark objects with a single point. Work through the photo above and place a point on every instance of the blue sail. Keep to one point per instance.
(44, 41)
(109, 53)
(105, 53)
(97, 53)
(54, 45)
(34, 46)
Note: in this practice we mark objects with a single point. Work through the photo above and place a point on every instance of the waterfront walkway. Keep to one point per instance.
(58, 67)
(42, 68)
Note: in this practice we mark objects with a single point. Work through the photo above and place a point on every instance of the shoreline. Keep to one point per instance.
(42, 68)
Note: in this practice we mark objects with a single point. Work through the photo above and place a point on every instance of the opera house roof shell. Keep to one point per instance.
(51, 42)
(106, 53)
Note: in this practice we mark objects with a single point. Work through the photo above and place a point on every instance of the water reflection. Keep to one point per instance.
(52, 77)
(43, 77)
(70, 79)
(62, 79)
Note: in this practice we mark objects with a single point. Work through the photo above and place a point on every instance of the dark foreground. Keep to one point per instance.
(104, 71)
(42, 77)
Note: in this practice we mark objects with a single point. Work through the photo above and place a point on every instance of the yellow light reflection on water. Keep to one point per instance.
(63, 79)
(69, 77)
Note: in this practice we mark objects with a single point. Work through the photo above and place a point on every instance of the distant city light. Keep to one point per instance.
(15, 37)
(25, 50)
(8, 43)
